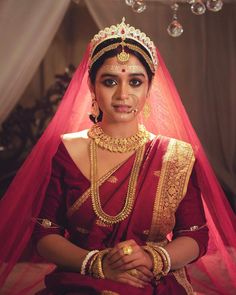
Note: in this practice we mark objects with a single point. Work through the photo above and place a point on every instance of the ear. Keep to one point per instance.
(91, 88)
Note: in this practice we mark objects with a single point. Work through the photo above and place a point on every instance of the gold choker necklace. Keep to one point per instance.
(116, 144)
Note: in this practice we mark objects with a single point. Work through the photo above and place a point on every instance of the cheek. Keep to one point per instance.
(142, 93)
(103, 96)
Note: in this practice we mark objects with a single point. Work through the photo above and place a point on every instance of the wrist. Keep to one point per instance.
(97, 267)
(149, 260)
(87, 261)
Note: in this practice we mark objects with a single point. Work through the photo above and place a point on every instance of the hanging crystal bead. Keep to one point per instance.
(139, 6)
(214, 5)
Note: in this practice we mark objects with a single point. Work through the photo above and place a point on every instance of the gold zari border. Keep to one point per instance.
(86, 194)
(181, 278)
(176, 169)
(172, 186)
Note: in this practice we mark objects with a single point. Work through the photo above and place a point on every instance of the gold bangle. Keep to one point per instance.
(157, 261)
(165, 259)
(97, 269)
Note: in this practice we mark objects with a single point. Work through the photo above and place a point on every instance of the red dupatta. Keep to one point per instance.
(166, 116)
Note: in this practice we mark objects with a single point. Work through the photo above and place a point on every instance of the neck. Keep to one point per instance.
(124, 129)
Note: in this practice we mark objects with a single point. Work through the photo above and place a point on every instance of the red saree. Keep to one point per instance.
(167, 201)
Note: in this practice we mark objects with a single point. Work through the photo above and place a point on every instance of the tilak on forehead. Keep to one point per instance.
(123, 32)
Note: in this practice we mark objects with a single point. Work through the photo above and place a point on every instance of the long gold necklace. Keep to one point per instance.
(116, 144)
(129, 201)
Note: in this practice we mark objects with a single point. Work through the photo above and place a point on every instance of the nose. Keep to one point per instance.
(122, 91)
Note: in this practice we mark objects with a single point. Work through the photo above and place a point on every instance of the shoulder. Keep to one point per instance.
(76, 144)
(81, 135)
(170, 141)
(75, 139)
(174, 149)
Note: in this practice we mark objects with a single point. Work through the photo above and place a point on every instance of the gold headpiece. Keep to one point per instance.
(124, 31)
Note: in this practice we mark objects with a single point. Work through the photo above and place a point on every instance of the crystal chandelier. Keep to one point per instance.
(175, 29)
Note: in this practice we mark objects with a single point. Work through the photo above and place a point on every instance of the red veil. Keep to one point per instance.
(215, 273)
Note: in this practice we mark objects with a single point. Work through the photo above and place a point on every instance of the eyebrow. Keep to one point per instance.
(115, 76)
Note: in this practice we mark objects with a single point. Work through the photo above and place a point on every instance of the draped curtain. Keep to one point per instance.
(26, 30)
(202, 63)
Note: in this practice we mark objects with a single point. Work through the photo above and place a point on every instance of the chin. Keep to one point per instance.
(121, 118)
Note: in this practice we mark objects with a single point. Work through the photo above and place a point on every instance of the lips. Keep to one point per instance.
(122, 108)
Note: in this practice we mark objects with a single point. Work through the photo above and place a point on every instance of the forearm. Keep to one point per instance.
(62, 252)
(182, 251)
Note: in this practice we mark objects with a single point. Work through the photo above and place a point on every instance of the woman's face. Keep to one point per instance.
(121, 90)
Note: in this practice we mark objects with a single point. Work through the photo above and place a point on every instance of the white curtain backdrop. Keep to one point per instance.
(26, 30)
(203, 65)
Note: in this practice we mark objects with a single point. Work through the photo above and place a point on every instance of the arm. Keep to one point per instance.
(190, 235)
(62, 252)
(49, 239)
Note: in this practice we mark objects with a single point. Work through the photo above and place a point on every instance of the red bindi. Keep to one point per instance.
(123, 70)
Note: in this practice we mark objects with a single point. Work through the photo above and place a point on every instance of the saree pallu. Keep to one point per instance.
(167, 200)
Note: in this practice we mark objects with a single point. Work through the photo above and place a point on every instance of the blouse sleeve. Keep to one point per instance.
(190, 216)
(52, 218)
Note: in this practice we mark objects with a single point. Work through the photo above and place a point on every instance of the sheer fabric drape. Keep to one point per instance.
(203, 65)
(26, 30)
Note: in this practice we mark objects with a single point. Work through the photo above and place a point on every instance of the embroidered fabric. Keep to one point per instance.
(46, 223)
(167, 116)
(192, 228)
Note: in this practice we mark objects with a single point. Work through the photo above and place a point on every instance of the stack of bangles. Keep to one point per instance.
(92, 263)
(161, 260)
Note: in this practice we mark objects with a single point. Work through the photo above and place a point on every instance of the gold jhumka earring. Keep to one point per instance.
(95, 109)
(146, 110)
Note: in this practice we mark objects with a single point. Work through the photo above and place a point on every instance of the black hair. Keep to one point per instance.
(100, 61)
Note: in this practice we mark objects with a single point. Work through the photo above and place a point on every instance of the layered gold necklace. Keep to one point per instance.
(121, 145)
(130, 197)
(116, 144)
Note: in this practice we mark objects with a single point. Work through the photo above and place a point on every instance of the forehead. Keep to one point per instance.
(133, 65)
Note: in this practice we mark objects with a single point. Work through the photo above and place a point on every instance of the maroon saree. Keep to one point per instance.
(167, 203)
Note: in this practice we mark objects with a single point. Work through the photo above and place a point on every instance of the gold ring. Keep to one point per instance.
(127, 250)
(133, 272)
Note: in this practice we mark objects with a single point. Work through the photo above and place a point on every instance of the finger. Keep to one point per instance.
(145, 271)
(120, 246)
(142, 277)
(120, 258)
(131, 280)
(119, 261)
(112, 252)
(130, 265)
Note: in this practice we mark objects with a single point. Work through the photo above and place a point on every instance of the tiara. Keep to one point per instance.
(124, 31)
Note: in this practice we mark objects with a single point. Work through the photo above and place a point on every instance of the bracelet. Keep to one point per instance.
(165, 259)
(85, 261)
(92, 264)
(157, 261)
(97, 270)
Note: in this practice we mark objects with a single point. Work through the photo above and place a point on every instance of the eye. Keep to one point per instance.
(109, 82)
(135, 82)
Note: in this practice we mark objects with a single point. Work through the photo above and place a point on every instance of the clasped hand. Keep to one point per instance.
(133, 268)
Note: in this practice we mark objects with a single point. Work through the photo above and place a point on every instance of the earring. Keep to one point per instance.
(146, 110)
(95, 109)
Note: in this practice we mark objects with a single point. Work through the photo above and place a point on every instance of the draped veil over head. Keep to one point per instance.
(164, 114)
